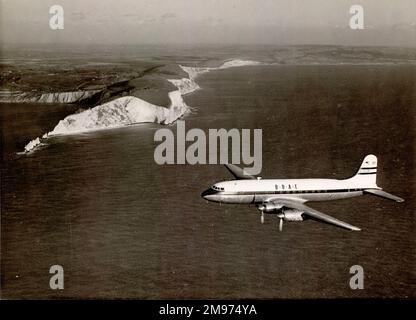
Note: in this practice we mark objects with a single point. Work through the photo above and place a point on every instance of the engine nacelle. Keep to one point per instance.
(269, 207)
(292, 215)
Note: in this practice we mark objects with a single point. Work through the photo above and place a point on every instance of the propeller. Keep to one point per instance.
(261, 209)
(280, 216)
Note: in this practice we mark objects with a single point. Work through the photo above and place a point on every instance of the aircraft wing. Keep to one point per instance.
(315, 214)
(237, 172)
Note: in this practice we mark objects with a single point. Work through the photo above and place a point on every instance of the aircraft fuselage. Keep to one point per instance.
(261, 190)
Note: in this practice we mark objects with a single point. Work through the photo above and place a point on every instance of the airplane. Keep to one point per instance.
(287, 197)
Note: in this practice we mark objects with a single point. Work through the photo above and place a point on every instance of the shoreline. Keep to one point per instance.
(130, 110)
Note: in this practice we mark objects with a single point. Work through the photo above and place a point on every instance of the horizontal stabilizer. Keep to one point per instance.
(383, 194)
(237, 172)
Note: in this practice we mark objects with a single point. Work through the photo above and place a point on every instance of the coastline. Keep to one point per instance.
(130, 110)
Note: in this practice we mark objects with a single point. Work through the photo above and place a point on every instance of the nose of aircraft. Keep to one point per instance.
(206, 193)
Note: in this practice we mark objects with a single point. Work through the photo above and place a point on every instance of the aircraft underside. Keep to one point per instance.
(260, 198)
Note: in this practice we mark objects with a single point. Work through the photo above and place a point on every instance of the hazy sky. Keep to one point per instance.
(279, 22)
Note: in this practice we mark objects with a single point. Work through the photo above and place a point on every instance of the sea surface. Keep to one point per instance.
(122, 226)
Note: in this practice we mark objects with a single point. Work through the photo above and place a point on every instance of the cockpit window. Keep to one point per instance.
(217, 188)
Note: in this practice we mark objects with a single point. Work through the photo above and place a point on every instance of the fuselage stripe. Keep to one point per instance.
(288, 192)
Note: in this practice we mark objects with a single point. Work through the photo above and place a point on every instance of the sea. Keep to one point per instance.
(122, 226)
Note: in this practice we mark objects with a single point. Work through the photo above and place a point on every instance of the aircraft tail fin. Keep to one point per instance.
(366, 177)
(367, 173)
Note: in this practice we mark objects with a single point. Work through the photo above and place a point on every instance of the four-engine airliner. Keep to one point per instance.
(287, 197)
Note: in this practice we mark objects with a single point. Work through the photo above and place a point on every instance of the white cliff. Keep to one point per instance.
(131, 110)
(50, 97)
